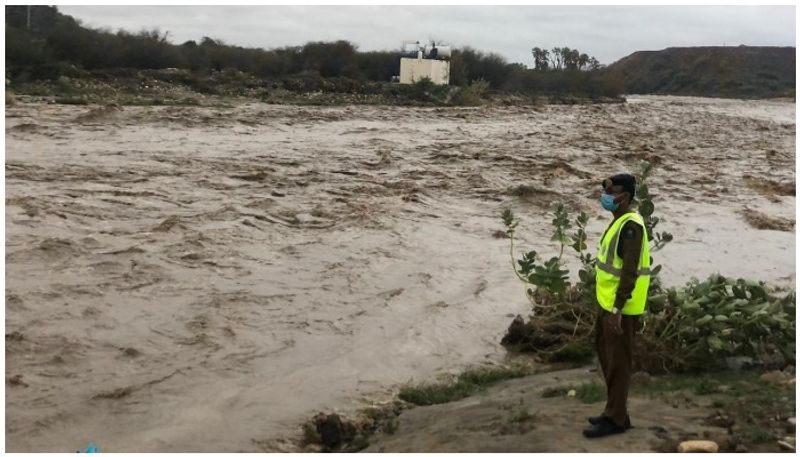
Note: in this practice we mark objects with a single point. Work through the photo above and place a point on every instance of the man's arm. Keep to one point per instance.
(629, 249)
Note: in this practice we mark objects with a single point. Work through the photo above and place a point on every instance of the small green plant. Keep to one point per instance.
(646, 208)
(706, 386)
(521, 415)
(472, 94)
(552, 392)
(467, 383)
(588, 393)
(591, 392)
(425, 91)
(756, 435)
(391, 426)
(360, 442)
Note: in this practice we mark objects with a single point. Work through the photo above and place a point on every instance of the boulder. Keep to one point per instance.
(774, 377)
(740, 362)
(786, 446)
(698, 446)
(334, 431)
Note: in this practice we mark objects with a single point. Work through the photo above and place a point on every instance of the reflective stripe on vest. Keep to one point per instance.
(608, 265)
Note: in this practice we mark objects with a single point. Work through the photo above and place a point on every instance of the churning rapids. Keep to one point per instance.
(205, 279)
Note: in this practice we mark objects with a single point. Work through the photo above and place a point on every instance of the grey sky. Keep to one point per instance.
(605, 32)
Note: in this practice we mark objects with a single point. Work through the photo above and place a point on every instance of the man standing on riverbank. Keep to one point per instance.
(623, 277)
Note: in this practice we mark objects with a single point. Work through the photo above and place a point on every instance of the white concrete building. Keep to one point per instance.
(412, 70)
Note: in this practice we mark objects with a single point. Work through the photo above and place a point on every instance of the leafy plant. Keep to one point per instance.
(647, 208)
(718, 318)
(472, 94)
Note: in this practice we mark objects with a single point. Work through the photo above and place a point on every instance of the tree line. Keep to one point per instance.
(48, 44)
(563, 59)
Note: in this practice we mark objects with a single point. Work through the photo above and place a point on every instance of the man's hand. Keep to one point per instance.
(614, 323)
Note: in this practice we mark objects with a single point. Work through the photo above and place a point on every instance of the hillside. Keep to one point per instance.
(735, 72)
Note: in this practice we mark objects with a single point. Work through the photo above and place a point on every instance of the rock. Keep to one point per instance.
(792, 421)
(16, 380)
(698, 446)
(786, 446)
(738, 363)
(131, 352)
(310, 434)
(517, 332)
(333, 430)
(774, 377)
(571, 393)
(741, 448)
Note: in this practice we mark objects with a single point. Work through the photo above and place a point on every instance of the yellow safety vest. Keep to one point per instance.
(608, 268)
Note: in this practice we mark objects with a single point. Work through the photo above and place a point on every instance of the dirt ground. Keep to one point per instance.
(513, 417)
(205, 279)
(740, 411)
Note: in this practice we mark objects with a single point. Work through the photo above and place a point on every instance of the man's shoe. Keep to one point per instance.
(596, 419)
(603, 428)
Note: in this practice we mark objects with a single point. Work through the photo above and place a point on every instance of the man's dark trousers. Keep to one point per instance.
(616, 360)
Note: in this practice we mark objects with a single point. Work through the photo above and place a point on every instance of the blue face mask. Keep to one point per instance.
(607, 200)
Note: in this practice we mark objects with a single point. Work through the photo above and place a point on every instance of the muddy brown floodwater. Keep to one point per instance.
(205, 279)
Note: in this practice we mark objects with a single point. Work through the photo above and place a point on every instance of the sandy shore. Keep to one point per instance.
(205, 279)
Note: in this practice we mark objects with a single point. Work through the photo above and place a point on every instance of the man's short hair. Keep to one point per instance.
(627, 181)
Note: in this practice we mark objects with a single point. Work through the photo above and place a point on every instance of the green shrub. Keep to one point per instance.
(471, 95)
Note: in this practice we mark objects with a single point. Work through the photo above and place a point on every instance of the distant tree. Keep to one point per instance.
(540, 58)
(583, 60)
(379, 65)
(563, 58)
(571, 58)
(330, 59)
(556, 58)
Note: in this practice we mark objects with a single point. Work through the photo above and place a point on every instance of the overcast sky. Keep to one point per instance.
(605, 32)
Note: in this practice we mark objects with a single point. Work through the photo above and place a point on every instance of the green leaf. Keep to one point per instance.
(757, 292)
(508, 217)
(739, 292)
(714, 342)
(689, 305)
(646, 209)
(704, 320)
